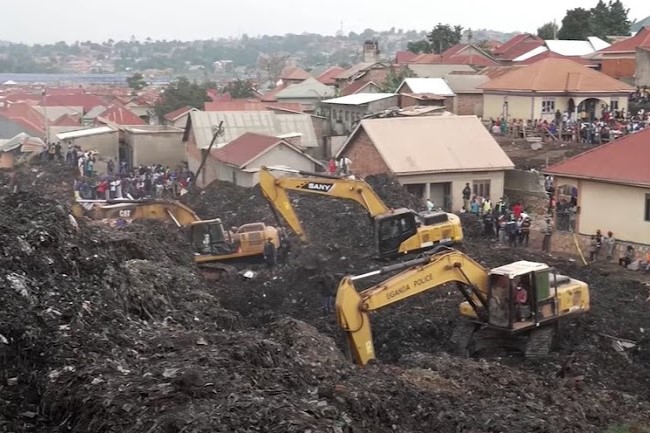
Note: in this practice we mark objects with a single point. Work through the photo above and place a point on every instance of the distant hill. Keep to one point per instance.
(247, 54)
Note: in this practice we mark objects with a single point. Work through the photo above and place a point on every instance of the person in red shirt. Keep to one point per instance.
(331, 167)
(517, 209)
(521, 301)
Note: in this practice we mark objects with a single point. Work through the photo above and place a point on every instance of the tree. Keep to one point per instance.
(419, 47)
(576, 25)
(619, 24)
(443, 37)
(136, 81)
(548, 31)
(394, 78)
(603, 20)
(240, 89)
(181, 93)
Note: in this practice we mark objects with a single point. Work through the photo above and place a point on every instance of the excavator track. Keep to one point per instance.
(540, 342)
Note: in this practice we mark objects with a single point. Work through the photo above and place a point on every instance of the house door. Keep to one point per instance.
(441, 195)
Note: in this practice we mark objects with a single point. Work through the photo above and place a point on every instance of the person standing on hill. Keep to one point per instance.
(609, 242)
(548, 231)
(467, 193)
(270, 253)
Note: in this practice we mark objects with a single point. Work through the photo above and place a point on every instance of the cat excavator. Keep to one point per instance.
(495, 313)
(210, 241)
(396, 231)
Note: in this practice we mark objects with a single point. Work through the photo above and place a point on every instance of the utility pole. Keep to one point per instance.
(554, 30)
(47, 123)
(217, 131)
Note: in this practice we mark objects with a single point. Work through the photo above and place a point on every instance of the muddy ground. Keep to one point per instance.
(113, 330)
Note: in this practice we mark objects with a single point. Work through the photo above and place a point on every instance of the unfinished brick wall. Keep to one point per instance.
(365, 158)
(469, 104)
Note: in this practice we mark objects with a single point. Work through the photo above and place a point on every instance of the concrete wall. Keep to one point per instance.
(457, 180)
(530, 107)
(642, 74)
(468, 104)
(618, 208)
(164, 147)
(526, 181)
(348, 115)
(107, 144)
(284, 155)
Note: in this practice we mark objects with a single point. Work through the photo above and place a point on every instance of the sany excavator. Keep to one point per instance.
(495, 311)
(397, 231)
(210, 240)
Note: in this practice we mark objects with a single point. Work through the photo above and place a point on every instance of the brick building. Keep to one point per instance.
(433, 156)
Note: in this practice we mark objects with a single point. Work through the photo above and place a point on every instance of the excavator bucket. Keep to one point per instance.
(354, 320)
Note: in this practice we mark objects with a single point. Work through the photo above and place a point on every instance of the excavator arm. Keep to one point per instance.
(162, 210)
(275, 190)
(421, 275)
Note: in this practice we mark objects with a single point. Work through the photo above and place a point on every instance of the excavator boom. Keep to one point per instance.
(162, 210)
(353, 308)
(493, 300)
(275, 190)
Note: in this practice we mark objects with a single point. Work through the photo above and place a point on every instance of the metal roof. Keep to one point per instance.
(576, 48)
(84, 132)
(437, 86)
(438, 70)
(532, 53)
(434, 144)
(521, 267)
(462, 83)
(359, 98)
(309, 89)
(94, 112)
(237, 123)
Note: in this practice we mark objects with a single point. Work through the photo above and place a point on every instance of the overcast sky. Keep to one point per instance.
(33, 21)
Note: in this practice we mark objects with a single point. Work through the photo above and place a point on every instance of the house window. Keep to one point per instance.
(613, 104)
(647, 207)
(548, 105)
(347, 115)
(481, 188)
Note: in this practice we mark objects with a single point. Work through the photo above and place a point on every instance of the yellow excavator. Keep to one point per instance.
(397, 231)
(515, 306)
(210, 241)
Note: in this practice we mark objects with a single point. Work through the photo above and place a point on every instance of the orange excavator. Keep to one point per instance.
(210, 241)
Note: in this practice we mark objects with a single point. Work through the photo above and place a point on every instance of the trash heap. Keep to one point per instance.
(112, 330)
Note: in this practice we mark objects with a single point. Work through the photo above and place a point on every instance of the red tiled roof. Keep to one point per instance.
(496, 71)
(121, 116)
(517, 46)
(460, 58)
(87, 102)
(66, 120)
(270, 96)
(356, 87)
(515, 40)
(178, 113)
(622, 161)
(405, 57)
(25, 115)
(551, 55)
(248, 105)
(640, 40)
(454, 49)
(556, 75)
(329, 76)
(427, 58)
(245, 148)
(65, 91)
(294, 73)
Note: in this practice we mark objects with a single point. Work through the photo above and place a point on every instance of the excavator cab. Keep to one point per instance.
(210, 238)
(524, 294)
(393, 229)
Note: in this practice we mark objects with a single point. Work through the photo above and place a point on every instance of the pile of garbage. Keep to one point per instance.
(113, 330)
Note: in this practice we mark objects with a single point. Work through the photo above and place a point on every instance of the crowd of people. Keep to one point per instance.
(595, 126)
(119, 180)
